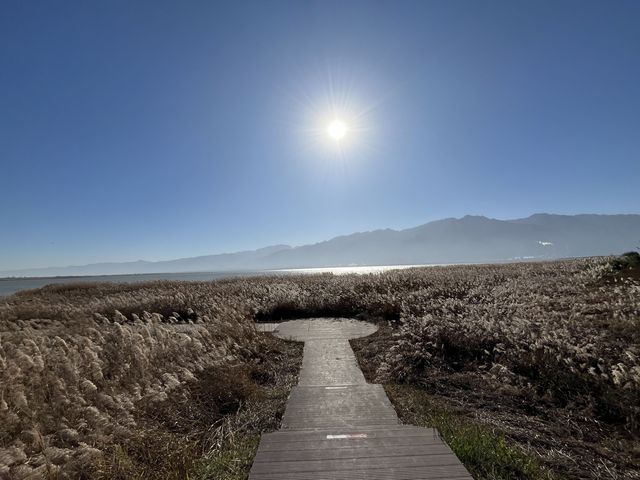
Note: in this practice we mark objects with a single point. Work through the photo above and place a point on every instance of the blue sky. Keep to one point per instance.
(156, 129)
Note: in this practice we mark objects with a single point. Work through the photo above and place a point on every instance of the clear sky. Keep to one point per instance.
(162, 129)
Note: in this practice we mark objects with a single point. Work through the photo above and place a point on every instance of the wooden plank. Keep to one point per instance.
(410, 473)
(350, 422)
(345, 464)
(372, 432)
(329, 362)
(336, 443)
(266, 327)
(377, 451)
(336, 426)
(324, 328)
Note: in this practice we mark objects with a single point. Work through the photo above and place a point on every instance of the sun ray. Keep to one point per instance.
(335, 117)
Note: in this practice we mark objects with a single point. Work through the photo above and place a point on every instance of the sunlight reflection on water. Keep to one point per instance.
(361, 270)
(9, 286)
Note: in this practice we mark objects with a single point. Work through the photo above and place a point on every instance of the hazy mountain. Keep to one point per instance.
(207, 263)
(467, 239)
(473, 239)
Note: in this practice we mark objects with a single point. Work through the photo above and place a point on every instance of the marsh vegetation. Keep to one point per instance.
(169, 379)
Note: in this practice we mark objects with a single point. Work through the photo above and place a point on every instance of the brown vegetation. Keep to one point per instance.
(546, 352)
(87, 391)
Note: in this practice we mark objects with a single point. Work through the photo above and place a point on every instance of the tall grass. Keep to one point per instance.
(485, 452)
(84, 391)
(83, 367)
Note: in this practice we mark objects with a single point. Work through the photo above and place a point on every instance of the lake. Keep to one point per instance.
(13, 285)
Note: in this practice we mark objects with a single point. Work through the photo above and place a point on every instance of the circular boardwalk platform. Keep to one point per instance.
(337, 426)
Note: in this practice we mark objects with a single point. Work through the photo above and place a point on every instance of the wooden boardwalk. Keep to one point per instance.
(337, 426)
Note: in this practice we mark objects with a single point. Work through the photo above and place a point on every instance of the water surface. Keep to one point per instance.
(13, 285)
(9, 286)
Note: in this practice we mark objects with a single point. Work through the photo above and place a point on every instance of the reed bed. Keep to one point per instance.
(83, 367)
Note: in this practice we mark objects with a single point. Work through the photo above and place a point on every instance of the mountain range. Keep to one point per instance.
(470, 239)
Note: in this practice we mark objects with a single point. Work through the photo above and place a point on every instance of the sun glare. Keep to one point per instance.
(337, 129)
(335, 123)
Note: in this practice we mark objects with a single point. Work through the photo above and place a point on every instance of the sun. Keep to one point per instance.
(337, 129)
